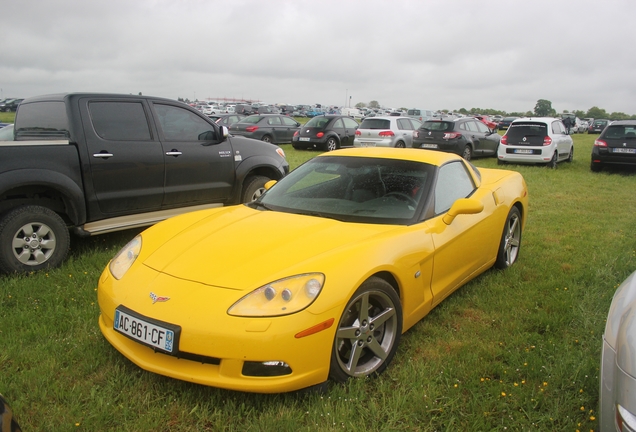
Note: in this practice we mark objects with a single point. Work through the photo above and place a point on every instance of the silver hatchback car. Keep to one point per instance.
(390, 131)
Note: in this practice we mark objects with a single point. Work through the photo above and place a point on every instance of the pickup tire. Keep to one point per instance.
(253, 188)
(32, 238)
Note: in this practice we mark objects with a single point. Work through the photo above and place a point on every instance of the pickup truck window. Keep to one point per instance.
(42, 120)
(179, 124)
(120, 121)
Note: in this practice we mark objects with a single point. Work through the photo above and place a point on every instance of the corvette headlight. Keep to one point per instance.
(283, 297)
(125, 258)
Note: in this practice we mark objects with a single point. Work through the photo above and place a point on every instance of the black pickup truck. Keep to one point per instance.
(98, 163)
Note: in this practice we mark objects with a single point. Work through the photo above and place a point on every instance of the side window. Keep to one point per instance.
(453, 183)
(274, 121)
(180, 124)
(338, 124)
(416, 123)
(481, 127)
(404, 124)
(350, 123)
(289, 122)
(119, 121)
(472, 126)
(557, 127)
(463, 126)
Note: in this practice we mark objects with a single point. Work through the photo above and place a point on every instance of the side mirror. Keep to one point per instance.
(462, 206)
(269, 184)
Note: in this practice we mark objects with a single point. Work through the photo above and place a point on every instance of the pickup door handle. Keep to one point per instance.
(104, 154)
(174, 152)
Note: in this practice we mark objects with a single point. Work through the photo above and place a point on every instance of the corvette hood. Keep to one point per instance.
(242, 248)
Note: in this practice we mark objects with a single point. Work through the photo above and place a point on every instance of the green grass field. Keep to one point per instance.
(512, 350)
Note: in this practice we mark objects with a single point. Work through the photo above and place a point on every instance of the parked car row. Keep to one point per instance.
(7, 105)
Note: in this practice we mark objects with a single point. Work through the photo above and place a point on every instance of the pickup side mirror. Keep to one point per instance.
(462, 206)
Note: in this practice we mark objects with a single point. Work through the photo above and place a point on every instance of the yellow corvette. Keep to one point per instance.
(316, 279)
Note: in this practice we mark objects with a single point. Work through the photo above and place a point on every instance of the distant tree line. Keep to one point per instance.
(543, 108)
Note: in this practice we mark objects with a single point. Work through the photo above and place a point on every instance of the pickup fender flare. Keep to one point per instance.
(256, 165)
(70, 192)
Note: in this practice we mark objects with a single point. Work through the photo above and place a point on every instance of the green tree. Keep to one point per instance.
(543, 108)
(374, 104)
(597, 113)
(360, 105)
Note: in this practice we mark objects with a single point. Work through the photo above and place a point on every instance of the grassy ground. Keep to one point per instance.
(512, 350)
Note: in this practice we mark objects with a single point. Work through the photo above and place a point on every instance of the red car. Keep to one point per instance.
(486, 120)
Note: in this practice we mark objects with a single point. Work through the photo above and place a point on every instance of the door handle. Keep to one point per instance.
(174, 152)
(103, 154)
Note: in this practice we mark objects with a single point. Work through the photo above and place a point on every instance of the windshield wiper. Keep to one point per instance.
(258, 205)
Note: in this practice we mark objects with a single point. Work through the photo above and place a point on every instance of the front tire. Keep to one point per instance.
(510, 243)
(32, 238)
(253, 188)
(368, 332)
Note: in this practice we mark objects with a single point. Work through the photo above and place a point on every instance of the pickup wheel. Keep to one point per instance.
(253, 188)
(32, 238)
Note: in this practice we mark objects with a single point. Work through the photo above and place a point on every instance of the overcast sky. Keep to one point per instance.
(500, 54)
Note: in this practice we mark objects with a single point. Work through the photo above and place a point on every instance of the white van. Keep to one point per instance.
(420, 114)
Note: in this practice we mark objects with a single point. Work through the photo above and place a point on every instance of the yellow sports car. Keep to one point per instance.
(316, 279)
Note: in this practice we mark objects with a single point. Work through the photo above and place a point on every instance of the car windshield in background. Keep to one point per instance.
(437, 125)
(520, 130)
(373, 123)
(353, 189)
(317, 122)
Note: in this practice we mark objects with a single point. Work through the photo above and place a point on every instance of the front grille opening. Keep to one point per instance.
(266, 369)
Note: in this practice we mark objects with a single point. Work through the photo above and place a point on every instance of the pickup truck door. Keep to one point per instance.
(199, 168)
(125, 158)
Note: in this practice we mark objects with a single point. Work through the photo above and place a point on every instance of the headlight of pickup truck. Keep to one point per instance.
(120, 264)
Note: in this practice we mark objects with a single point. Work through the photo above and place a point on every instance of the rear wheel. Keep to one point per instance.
(596, 167)
(368, 332)
(267, 138)
(332, 144)
(32, 238)
(553, 162)
(400, 144)
(467, 153)
(253, 188)
(571, 155)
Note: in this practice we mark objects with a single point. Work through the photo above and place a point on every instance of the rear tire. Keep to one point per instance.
(468, 153)
(400, 144)
(267, 138)
(596, 167)
(331, 144)
(553, 162)
(32, 238)
(571, 155)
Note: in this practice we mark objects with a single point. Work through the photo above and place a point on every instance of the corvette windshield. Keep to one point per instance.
(353, 189)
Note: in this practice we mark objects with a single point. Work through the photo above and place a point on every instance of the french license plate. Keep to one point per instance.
(144, 331)
(367, 144)
(523, 151)
(623, 150)
(303, 139)
(433, 146)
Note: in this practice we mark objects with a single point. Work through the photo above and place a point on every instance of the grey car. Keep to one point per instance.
(273, 128)
(387, 131)
(618, 361)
